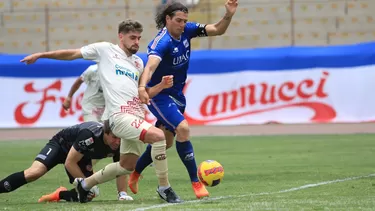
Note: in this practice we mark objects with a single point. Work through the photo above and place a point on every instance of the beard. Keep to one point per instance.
(133, 50)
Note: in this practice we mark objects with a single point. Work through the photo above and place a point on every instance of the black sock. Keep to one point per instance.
(69, 195)
(12, 182)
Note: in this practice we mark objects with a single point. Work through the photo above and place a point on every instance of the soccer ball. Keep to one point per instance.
(210, 172)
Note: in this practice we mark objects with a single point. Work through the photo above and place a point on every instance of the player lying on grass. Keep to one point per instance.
(75, 147)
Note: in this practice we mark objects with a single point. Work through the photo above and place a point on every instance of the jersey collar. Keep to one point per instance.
(179, 40)
(123, 53)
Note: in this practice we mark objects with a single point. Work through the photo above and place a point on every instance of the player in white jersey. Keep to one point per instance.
(119, 70)
(93, 105)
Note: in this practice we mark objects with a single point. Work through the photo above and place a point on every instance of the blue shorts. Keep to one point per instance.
(168, 111)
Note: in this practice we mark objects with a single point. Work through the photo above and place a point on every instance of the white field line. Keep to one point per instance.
(255, 194)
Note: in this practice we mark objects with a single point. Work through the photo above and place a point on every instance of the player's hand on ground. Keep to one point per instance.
(30, 59)
(167, 81)
(231, 6)
(143, 96)
(123, 196)
(67, 102)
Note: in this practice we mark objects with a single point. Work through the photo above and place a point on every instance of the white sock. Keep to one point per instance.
(163, 188)
(84, 185)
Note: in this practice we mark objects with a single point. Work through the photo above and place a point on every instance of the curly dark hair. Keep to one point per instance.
(170, 10)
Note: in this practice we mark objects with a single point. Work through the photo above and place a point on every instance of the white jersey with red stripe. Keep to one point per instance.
(119, 77)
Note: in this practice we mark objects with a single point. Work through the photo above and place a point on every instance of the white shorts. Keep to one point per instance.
(132, 130)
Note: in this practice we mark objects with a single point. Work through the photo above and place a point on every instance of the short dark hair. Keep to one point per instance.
(170, 10)
(106, 127)
(130, 26)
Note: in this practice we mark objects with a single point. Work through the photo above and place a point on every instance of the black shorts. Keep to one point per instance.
(53, 154)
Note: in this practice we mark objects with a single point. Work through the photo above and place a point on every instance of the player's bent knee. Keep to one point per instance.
(32, 175)
(183, 131)
(128, 161)
(169, 142)
(36, 171)
(154, 135)
(169, 137)
(169, 145)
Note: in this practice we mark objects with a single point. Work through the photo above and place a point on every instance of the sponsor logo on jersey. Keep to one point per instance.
(186, 43)
(89, 141)
(120, 70)
(137, 64)
(181, 59)
(115, 56)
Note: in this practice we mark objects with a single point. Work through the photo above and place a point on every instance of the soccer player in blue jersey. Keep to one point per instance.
(169, 54)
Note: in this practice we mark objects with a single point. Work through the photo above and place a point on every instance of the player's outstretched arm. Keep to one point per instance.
(72, 91)
(67, 54)
(221, 27)
(166, 82)
(71, 163)
(152, 64)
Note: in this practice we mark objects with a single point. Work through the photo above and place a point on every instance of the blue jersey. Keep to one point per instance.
(174, 55)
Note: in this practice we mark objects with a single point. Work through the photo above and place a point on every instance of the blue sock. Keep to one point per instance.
(186, 153)
(144, 160)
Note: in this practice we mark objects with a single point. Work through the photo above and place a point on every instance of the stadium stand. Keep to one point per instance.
(36, 25)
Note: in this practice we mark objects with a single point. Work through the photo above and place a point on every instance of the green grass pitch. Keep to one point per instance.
(261, 173)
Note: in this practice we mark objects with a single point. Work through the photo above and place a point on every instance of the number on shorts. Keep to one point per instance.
(49, 150)
(137, 123)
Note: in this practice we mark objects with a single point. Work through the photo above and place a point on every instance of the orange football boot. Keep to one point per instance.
(133, 182)
(52, 196)
(200, 190)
